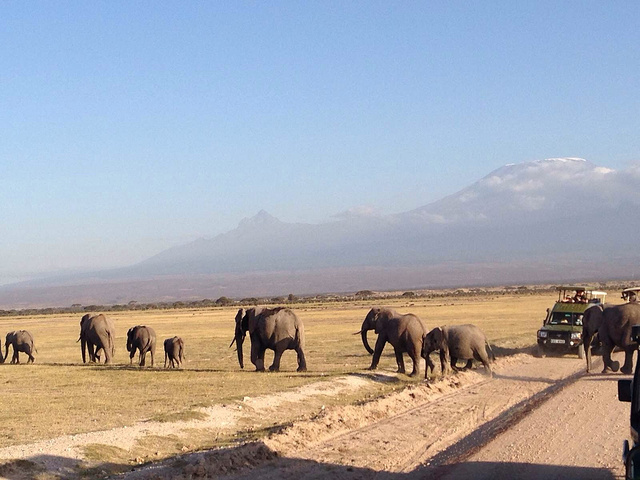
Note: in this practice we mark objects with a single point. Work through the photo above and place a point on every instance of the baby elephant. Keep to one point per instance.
(464, 342)
(173, 352)
(22, 341)
(143, 339)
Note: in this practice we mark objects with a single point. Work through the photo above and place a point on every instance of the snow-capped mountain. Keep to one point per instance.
(543, 207)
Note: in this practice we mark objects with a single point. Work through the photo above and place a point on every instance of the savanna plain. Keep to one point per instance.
(59, 396)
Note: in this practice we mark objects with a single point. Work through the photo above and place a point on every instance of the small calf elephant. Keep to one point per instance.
(173, 352)
(143, 339)
(464, 342)
(22, 341)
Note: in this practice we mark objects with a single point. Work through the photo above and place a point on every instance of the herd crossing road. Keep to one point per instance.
(536, 418)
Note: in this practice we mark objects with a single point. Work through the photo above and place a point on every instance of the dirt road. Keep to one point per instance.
(536, 418)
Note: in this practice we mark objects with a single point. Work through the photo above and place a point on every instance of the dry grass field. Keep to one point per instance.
(59, 395)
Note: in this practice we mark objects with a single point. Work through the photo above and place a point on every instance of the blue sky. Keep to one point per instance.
(129, 127)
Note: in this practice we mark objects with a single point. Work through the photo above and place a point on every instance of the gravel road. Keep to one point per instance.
(535, 418)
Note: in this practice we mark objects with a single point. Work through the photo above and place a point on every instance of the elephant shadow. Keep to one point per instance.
(256, 460)
(507, 352)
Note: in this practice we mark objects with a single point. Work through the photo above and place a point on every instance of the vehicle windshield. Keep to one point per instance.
(566, 318)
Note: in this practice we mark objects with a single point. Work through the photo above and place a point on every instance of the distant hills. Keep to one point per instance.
(542, 221)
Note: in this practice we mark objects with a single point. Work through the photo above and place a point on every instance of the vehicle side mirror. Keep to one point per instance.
(624, 393)
(632, 464)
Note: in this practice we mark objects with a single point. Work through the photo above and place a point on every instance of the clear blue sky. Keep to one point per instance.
(128, 127)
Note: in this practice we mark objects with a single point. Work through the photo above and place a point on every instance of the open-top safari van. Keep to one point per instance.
(631, 294)
(561, 330)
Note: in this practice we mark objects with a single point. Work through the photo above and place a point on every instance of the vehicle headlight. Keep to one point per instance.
(576, 335)
(542, 334)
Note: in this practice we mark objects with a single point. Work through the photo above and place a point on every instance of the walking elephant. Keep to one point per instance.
(615, 331)
(403, 332)
(97, 332)
(276, 329)
(143, 339)
(458, 342)
(21, 341)
(173, 352)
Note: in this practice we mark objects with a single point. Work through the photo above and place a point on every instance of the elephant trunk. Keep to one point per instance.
(83, 345)
(365, 342)
(240, 340)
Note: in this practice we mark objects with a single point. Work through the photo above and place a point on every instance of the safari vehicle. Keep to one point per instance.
(561, 330)
(631, 294)
(629, 391)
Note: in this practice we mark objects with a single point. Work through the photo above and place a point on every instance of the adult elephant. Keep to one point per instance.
(615, 331)
(458, 342)
(403, 331)
(143, 339)
(173, 352)
(591, 322)
(276, 329)
(97, 332)
(21, 341)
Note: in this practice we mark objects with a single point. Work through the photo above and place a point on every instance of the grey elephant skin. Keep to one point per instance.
(403, 331)
(458, 342)
(21, 341)
(276, 329)
(591, 322)
(173, 352)
(142, 339)
(97, 332)
(615, 331)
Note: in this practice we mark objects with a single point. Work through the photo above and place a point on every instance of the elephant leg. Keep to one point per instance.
(377, 351)
(399, 360)
(429, 366)
(143, 357)
(481, 356)
(275, 366)
(131, 355)
(415, 358)
(444, 365)
(31, 357)
(260, 360)
(302, 362)
(609, 366)
(627, 368)
(454, 364)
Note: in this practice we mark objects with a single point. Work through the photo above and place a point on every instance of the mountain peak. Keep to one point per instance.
(262, 218)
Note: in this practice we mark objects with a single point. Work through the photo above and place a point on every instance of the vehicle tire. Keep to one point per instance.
(540, 353)
(581, 351)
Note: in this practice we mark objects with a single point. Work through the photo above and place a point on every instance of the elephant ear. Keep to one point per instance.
(435, 337)
(251, 319)
(380, 320)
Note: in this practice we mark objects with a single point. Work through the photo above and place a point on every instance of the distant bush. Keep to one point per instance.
(224, 301)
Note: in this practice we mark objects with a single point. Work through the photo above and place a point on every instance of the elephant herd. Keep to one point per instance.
(279, 329)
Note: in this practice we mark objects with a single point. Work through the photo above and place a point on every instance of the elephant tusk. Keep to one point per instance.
(357, 333)
(232, 342)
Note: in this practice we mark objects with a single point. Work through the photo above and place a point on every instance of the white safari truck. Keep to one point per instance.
(561, 330)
